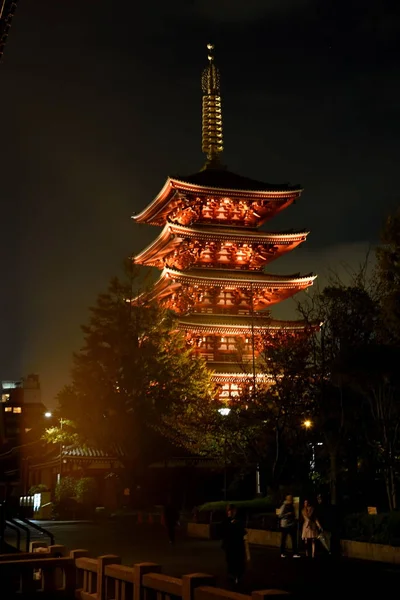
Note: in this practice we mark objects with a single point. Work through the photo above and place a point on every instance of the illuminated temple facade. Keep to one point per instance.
(212, 255)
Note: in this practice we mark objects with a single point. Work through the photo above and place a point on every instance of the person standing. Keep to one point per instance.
(322, 515)
(171, 519)
(233, 543)
(288, 526)
(311, 526)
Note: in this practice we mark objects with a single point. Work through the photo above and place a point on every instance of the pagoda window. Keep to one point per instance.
(206, 255)
(209, 342)
(224, 255)
(225, 391)
(226, 299)
(221, 212)
(235, 390)
(227, 344)
(207, 212)
(230, 390)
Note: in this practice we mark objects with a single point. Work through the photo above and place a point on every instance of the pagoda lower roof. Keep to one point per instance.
(214, 183)
(233, 278)
(235, 325)
(173, 235)
(231, 372)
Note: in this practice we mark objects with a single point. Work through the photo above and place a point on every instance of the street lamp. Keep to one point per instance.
(224, 412)
(308, 424)
(49, 415)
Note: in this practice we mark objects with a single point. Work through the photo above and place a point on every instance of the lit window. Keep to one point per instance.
(5, 397)
(8, 409)
(17, 409)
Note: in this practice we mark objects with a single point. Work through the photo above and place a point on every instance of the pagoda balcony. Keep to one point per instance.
(231, 357)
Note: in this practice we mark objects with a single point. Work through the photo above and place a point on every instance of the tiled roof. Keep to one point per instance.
(218, 183)
(84, 451)
(213, 231)
(223, 276)
(172, 235)
(227, 180)
(245, 321)
(229, 371)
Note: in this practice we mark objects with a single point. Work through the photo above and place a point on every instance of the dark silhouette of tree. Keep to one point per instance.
(133, 366)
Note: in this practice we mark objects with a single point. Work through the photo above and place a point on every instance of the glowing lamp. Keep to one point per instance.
(224, 411)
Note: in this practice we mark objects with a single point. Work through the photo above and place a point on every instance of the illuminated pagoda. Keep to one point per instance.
(212, 255)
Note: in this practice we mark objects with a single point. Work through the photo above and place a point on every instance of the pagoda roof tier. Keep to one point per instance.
(224, 179)
(180, 198)
(266, 289)
(235, 325)
(264, 247)
(234, 372)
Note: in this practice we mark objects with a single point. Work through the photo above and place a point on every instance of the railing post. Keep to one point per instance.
(139, 570)
(79, 573)
(35, 545)
(58, 550)
(193, 581)
(267, 594)
(102, 561)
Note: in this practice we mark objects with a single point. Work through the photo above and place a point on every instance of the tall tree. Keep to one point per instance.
(133, 365)
(262, 421)
(281, 400)
(387, 278)
(348, 318)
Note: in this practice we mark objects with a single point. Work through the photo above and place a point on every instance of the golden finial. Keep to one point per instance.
(212, 138)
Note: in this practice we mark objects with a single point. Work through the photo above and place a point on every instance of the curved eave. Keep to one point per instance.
(173, 235)
(152, 211)
(153, 208)
(240, 376)
(235, 278)
(237, 234)
(225, 328)
(222, 191)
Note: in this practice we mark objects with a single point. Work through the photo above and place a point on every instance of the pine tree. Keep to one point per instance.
(133, 366)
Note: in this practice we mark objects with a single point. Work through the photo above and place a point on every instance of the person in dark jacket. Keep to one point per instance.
(288, 526)
(171, 519)
(323, 514)
(233, 544)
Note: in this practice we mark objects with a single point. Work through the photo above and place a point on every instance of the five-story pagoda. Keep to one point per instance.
(212, 255)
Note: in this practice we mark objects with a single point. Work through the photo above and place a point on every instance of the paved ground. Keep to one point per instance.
(319, 578)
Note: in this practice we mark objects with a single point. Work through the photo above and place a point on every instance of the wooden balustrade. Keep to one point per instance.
(18, 578)
(37, 548)
(80, 577)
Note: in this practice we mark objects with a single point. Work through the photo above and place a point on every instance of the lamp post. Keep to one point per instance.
(224, 412)
(49, 415)
(308, 424)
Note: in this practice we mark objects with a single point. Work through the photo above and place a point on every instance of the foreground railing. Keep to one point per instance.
(80, 577)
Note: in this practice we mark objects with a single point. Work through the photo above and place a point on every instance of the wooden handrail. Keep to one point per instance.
(120, 572)
(87, 564)
(99, 579)
(163, 583)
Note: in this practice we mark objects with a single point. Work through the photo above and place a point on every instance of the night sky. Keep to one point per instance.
(100, 101)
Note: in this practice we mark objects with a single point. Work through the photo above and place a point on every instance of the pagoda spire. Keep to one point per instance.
(212, 137)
